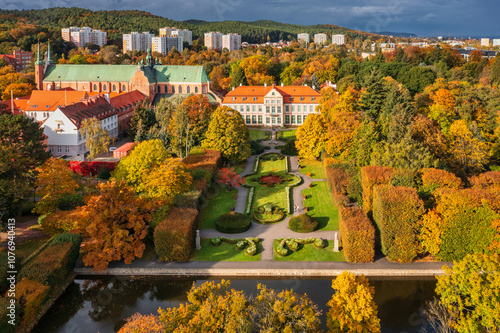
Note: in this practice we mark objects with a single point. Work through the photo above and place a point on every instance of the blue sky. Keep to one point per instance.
(425, 18)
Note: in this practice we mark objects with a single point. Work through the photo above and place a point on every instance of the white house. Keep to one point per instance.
(42, 104)
(62, 127)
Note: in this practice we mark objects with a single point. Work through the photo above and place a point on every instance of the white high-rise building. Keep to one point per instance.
(485, 42)
(165, 44)
(338, 39)
(213, 40)
(496, 42)
(187, 35)
(231, 42)
(137, 41)
(320, 38)
(303, 38)
(82, 36)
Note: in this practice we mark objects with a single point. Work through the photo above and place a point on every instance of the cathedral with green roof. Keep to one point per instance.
(151, 78)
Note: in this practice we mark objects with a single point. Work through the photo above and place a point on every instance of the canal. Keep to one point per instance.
(102, 304)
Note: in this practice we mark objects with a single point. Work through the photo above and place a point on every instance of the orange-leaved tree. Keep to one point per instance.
(167, 180)
(229, 177)
(54, 181)
(116, 221)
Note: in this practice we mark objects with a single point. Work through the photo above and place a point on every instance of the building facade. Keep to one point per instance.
(496, 42)
(303, 38)
(213, 40)
(320, 39)
(135, 41)
(273, 105)
(124, 105)
(186, 35)
(42, 104)
(485, 42)
(82, 36)
(165, 44)
(18, 59)
(338, 39)
(231, 42)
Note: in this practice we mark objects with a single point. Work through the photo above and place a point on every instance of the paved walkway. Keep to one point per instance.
(268, 233)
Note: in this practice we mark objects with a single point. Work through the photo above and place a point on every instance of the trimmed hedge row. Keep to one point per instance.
(488, 179)
(209, 161)
(241, 243)
(397, 212)
(85, 168)
(285, 245)
(174, 236)
(233, 223)
(433, 179)
(343, 181)
(357, 235)
(303, 223)
(372, 176)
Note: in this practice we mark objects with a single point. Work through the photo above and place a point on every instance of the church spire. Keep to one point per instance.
(38, 60)
(149, 59)
(49, 59)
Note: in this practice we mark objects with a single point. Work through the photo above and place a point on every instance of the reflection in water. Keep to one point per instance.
(102, 304)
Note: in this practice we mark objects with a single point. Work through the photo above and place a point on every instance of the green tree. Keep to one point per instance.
(311, 137)
(373, 97)
(97, 139)
(142, 121)
(352, 308)
(495, 71)
(470, 291)
(239, 78)
(291, 73)
(228, 133)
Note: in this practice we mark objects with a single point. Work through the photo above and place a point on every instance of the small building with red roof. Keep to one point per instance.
(125, 104)
(42, 104)
(273, 105)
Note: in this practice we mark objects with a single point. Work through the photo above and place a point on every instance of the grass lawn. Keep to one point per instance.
(258, 135)
(224, 252)
(276, 194)
(308, 252)
(315, 168)
(321, 206)
(239, 168)
(287, 135)
(24, 249)
(218, 204)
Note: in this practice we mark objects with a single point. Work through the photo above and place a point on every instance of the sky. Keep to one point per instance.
(423, 17)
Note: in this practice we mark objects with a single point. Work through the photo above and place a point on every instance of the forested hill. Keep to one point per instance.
(117, 22)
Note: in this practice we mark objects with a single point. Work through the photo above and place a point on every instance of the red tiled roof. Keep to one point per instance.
(97, 107)
(300, 94)
(50, 100)
(19, 104)
(127, 99)
(126, 147)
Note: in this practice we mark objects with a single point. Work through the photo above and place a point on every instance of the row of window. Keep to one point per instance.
(59, 149)
(268, 101)
(273, 109)
(289, 120)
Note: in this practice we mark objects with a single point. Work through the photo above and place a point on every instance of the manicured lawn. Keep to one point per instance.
(321, 206)
(224, 252)
(258, 135)
(276, 194)
(308, 252)
(24, 249)
(287, 135)
(217, 204)
(315, 168)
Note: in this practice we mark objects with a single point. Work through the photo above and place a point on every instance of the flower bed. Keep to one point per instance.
(241, 243)
(268, 214)
(288, 245)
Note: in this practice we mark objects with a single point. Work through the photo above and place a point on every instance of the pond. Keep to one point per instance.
(102, 304)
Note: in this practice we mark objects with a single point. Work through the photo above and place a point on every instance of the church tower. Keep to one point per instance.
(39, 70)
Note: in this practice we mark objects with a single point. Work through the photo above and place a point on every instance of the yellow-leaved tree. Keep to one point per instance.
(54, 181)
(97, 139)
(167, 180)
(352, 308)
(311, 137)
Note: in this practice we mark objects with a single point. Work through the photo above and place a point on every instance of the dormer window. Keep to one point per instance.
(291, 99)
(313, 98)
(233, 99)
(255, 99)
(302, 98)
(244, 98)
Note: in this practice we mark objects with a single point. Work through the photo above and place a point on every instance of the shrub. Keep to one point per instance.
(60, 221)
(233, 223)
(191, 199)
(256, 148)
(91, 168)
(199, 174)
(433, 179)
(397, 211)
(158, 216)
(5, 327)
(70, 201)
(343, 180)
(303, 223)
(486, 180)
(372, 176)
(174, 237)
(357, 235)
(289, 149)
(75, 240)
(251, 193)
(31, 295)
(104, 173)
(27, 206)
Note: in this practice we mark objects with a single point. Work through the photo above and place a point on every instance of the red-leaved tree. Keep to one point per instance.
(230, 178)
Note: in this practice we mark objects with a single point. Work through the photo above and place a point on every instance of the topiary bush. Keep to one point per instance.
(233, 223)
(303, 223)
(358, 235)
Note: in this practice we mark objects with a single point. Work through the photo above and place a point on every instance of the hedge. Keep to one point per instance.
(209, 161)
(488, 179)
(397, 212)
(303, 223)
(233, 223)
(249, 202)
(433, 179)
(343, 181)
(88, 168)
(5, 327)
(70, 201)
(372, 176)
(357, 235)
(174, 237)
(31, 295)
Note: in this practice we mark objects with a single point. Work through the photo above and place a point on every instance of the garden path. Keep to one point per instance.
(268, 233)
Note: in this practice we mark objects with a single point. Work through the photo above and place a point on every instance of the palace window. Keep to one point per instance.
(196, 90)
(59, 149)
(180, 89)
(268, 120)
(287, 108)
(173, 90)
(293, 119)
(299, 108)
(104, 87)
(188, 90)
(253, 108)
(287, 119)
(244, 98)
(255, 99)
(95, 86)
(260, 119)
(254, 120)
(273, 110)
(260, 108)
(299, 119)
(279, 109)
(233, 99)
(114, 87)
(248, 119)
(268, 109)
(124, 88)
(67, 149)
(302, 98)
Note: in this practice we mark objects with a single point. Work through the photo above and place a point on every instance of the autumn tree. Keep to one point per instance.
(284, 312)
(22, 150)
(352, 308)
(97, 139)
(143, 119)
(495, 71)
(311, 137)
(167, 180)
(229, 177)
(135, 168)
(228, 133)
(54, 181)
(17, 90)
(291, 73)
(470, 291)
(139, 323)
(116, 222)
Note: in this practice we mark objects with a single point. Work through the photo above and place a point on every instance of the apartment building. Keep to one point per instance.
(213, 40)
(82, 36)
(273, 105)
(320, 39)
(231, 42)
(165, 44)
(303, 38)
(135, 41)
(485, 42)
(338, 39)
(186, 35)
(496, 42)
(18, 59)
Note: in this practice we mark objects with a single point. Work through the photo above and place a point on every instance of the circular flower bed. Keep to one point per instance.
(271, 180)
(268, 214)
(233, 223)
(271, 157)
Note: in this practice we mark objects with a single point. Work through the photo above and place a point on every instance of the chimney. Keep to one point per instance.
(314, 87)
(265, 84)
(233, 88)
(282, 84)
(106, 96)
(241, 84)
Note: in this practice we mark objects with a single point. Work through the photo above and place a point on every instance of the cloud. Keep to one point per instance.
(428, 17)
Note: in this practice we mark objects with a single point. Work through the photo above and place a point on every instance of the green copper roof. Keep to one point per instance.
(158, 73)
